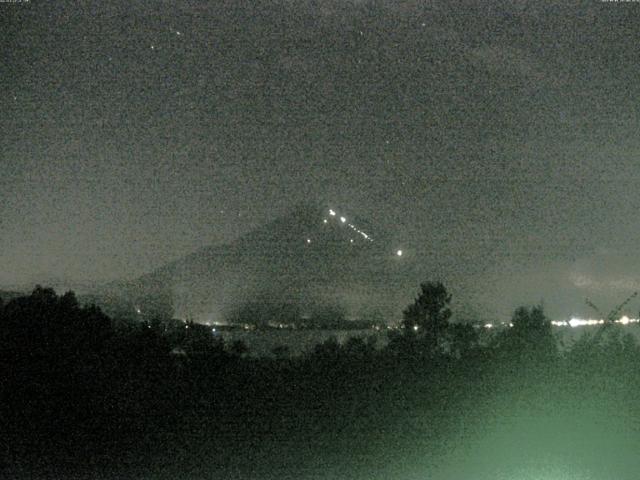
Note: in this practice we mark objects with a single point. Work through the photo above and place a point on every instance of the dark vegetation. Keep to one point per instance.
(85, 396)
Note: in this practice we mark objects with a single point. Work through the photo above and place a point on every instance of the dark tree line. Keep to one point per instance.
(82, 393)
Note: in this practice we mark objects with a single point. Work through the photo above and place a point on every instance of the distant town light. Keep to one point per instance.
(308, 240)
(332, 213)
(324, 221)
(415, 328)
(342, 219)
(575, 322)
(399, 253)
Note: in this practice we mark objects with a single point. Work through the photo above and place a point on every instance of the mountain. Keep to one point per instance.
(311, 262)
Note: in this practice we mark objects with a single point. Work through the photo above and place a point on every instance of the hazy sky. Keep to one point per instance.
(497, 140)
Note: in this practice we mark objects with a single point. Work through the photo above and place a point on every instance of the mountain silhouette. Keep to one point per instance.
(310, 260)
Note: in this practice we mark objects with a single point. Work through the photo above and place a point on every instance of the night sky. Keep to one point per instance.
(496, 141)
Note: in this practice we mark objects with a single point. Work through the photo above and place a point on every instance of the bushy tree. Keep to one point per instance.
(530, 337)
(47, 325)
(327, 350)
(463, 339)
(605, 350)
(427, 318)
(358, 347)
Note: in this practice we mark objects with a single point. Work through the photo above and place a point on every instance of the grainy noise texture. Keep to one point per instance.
(495, 142)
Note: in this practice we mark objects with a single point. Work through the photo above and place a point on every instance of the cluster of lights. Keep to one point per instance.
(350, 225)
(577, 322)
(580, 322)
(364, 235)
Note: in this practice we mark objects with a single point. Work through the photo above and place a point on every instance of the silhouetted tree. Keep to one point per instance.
(239, 348)
(358, 347)
(463, 339)
(327, 350)
(43, 324)
(530, 337)
(427, 318)
(603, 351)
